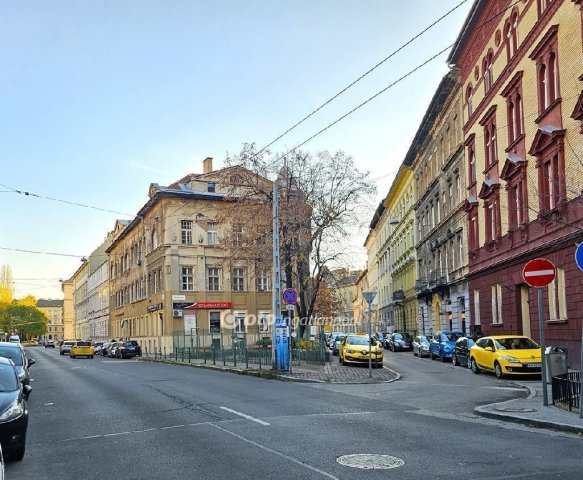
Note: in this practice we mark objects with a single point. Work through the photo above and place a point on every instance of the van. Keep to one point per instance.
(14, 339)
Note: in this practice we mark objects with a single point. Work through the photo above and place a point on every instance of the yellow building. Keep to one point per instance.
(171, 275)
(399, 204)
(68, 309)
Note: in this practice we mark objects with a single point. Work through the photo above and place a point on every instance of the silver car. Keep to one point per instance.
(421, 346)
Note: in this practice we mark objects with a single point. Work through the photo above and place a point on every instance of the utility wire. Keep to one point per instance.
(41, 253)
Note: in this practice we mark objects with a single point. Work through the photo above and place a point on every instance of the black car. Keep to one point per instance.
(337, 342)
(461, 351)
(399, 342)
(128, 349)
(13, 411)
(15, 352)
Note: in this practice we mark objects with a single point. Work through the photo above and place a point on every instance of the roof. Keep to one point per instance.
(466, 30)
(46, 303)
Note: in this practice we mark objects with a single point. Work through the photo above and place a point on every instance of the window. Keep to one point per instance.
(492, 212)
(215, 322)
(154, 240)
(212, 233)
(472, 174)
(517, 211)
(551, 193)
(474, 231)
(511, 35)
(488, 71)
(458, 189)
(542, 6)
(546, 57)
(237, 235)
(210, 187)
(238, 279)
(460, 251)
(186, 228)
(469, 100)
(262, 281)
(490, 144)
(263, 322)
(558, 297)
(497, 304)
(214, 279)
(187, 279)
(476, 307)
(239, 323)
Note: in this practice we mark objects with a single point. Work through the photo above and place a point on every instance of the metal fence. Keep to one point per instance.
(567, 389)
(238, 349)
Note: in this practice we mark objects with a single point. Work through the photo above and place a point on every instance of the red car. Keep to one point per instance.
(49, 344)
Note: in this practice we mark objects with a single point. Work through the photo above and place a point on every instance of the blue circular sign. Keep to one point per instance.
(290, 296)
(579, 256)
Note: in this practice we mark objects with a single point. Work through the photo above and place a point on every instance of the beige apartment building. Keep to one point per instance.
(173, 271)
(53, 309)
(68, 308)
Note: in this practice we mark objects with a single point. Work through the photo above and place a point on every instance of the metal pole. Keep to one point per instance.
(541, 327)
(369, 342)
(276, 275)
(581, 379)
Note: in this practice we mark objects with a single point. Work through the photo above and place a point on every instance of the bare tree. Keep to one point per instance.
(324, 198)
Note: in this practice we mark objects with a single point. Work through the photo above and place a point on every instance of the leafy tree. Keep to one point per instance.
(28, 321)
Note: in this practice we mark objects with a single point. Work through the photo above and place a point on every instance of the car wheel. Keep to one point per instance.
(454, 361)
(91, 357)
(71, 356)
(61, 353)
(498, 370)
(415, 353)
(441, 357)
(475, 367)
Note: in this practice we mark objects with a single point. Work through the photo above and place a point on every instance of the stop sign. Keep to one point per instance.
(539, 272)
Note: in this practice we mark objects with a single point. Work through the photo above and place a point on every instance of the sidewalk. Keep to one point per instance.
(529, 411)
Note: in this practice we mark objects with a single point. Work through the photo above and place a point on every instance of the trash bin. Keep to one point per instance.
(556, 362)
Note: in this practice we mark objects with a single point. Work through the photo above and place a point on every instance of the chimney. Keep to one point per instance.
(207, 165)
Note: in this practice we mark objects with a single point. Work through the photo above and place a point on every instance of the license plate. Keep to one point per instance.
(533, 365)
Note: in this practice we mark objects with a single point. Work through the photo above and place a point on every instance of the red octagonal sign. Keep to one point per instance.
(539, 272)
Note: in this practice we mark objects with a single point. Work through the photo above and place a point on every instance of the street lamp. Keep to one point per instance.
(369, 297)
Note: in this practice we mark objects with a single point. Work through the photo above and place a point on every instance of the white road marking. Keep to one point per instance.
(47, 404)
(248, 417)
(173, 426)
(275, 452)
(117, 433)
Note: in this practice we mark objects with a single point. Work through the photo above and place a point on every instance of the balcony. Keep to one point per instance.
(438, 280)
(422, 288)
(398, 296)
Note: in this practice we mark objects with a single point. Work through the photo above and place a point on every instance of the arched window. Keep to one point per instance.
(512, 134)
(511, 35)
(469, 99)
(552, 78)
(154, 240)
(542, 86)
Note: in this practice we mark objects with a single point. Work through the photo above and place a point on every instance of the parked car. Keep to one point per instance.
(13, 411)
(112, 349)
(81, 348)
(506, 355)
(104, 348)
(442, 343)
(333, 338)
(356, 349)
(128, 349)
(49, 344)
(66, 346)
(420, 346)
(22, 364)
(97, 348)
(461, 351)
(399, 342)
(336, 346)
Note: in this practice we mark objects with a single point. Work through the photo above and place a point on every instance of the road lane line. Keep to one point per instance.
(173, 426)
(275, 452)
(244, 415)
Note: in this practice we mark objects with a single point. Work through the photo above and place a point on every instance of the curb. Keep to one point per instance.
(563, 427)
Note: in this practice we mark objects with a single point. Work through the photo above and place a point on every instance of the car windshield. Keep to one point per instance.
(13, 354)
(515, 344)
(8, 380)
(357, 340)
(449, 337)
(398, 336)
(423, 339)
(131, 343)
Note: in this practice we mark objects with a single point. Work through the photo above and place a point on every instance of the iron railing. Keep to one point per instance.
(567, 389)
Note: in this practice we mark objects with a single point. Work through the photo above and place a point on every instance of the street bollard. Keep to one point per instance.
(164, 352)
(188, 354)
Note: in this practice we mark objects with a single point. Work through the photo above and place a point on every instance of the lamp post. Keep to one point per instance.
(369, 297)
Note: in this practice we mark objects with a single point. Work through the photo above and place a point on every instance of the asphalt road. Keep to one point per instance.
(107, 418)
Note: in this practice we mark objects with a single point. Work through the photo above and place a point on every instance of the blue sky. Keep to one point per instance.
(102, 98)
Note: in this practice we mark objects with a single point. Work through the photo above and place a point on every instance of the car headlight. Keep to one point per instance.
(510, 359)
(13, 412)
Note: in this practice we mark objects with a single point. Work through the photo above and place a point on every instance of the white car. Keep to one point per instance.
(14, 339)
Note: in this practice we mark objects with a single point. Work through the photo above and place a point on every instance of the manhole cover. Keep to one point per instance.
(370, 461)
(516, 409)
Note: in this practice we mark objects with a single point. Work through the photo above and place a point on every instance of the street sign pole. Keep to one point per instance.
(579, 261)
(541, 327)
(539, 273)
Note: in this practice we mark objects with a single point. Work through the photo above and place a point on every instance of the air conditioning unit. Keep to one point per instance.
(177, 313)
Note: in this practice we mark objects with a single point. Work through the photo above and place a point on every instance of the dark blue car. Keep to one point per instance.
(442, 344)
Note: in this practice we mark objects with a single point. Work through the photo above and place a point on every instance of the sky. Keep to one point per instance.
(101, 98)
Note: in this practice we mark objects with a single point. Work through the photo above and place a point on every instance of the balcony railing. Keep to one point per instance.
(422, 285)
(398, 296)
(438, 278)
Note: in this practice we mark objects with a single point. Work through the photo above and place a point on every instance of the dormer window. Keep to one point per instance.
(211, 187)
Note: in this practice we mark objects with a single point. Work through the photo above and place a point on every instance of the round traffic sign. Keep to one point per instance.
(579, 256)
(539, 272)
(290, 296)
